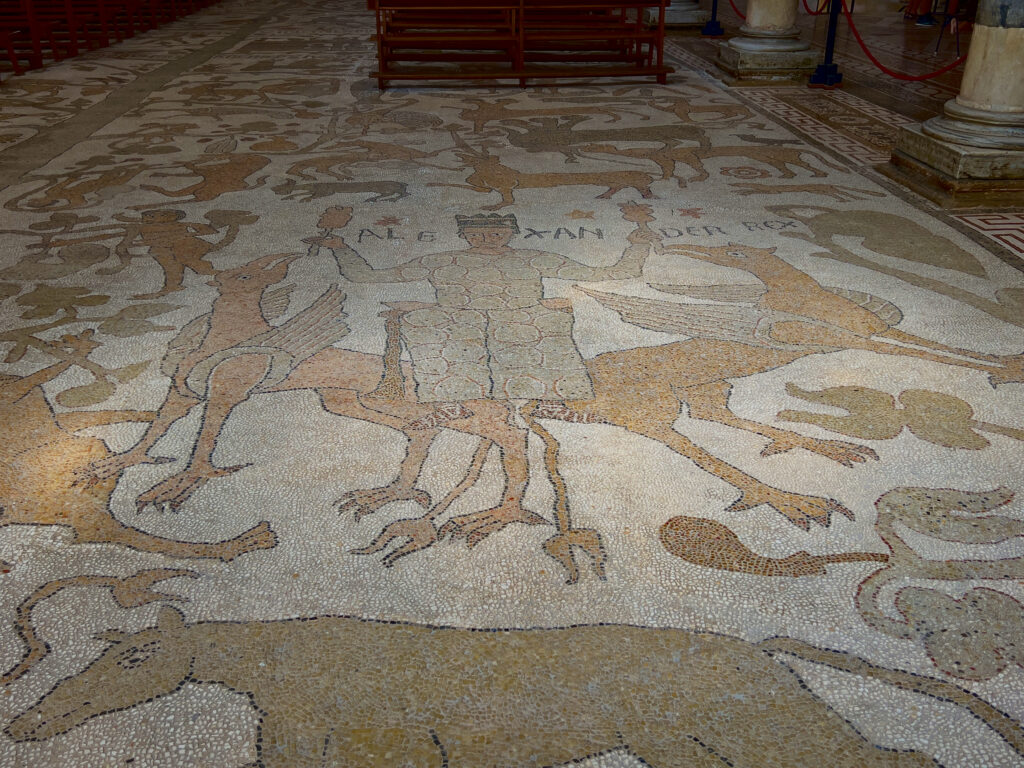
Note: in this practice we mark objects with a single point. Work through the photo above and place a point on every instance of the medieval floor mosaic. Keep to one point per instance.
(599, 424)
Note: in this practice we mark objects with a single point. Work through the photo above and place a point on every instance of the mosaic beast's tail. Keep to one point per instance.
(1008, 729)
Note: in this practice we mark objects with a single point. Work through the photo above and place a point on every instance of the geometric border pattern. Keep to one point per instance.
(851, 149)
(1005, 228)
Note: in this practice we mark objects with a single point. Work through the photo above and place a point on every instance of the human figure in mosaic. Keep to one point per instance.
(492, 339)
(491, 333)
(176, 244)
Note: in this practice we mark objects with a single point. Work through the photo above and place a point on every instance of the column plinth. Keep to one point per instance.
(769, 48)
(682, 13)
(973, 154)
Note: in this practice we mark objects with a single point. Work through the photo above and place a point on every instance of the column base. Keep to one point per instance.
(956, 175)
(681, 14)
(977, 127)
(756, 61)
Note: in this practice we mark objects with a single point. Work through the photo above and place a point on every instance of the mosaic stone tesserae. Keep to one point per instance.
(601, 424)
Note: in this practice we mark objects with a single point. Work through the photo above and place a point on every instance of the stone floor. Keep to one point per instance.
(598, 424)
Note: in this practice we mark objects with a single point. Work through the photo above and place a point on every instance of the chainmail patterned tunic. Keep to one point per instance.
(490, 335)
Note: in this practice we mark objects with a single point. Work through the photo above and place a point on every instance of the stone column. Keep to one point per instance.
(976, 148)
(770, 48)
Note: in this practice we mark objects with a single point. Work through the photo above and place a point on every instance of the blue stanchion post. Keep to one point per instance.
(712, 28)
(827, 75)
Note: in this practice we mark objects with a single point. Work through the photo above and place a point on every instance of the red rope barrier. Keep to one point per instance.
(738, 11)
(881, 66)
(814, 13)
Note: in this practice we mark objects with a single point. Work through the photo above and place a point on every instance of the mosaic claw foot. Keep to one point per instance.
(477, 526)
(801, 509)
(170, 494)
(560, 547)
(839, 451)
(1012, 373)
(96, 472)
(419, 533)
(366, 502)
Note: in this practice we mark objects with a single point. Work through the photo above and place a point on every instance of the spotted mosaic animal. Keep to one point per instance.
(466, 698)
(482, 112)
(362, 151)
(39, 452)
(688, 110)
(551, 134)
(220, 173)
(782, 159)
(491, 175)
(379, 191)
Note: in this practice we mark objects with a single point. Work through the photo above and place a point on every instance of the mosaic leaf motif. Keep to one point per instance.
(134, 320)
(46, 301)
(973, 638)
(873, 415)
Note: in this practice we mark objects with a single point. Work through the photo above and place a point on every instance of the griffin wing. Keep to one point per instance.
(315, 328)
(743, 324)
(274, 301)
(727, 294)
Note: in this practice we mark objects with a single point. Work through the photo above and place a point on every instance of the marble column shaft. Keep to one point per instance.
(977, 144)
(989, 111)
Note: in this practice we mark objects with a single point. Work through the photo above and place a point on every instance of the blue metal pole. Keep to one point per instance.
(712, 28)
(827, 75)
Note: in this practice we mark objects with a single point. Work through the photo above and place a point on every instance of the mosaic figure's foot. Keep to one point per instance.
(168, 495)
(366, 502)
(839, 451)
(419, 533)
(477, 526)
(560, 547)
(96, 472)
(801, 509)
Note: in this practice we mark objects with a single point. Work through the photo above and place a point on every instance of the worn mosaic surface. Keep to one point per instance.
(613, 424)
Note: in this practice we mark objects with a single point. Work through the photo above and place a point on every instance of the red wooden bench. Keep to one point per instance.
(517, 39)
(65, 27)
(72, 27)
(23, 33)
